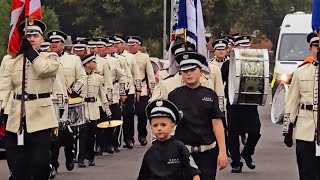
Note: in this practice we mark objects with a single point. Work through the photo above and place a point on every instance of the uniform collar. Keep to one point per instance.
(61, 54)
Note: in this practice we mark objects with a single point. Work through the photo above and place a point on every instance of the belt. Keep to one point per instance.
(90, 99)
(201, 148)
(114, 82)
(309, 107)
(28, 97)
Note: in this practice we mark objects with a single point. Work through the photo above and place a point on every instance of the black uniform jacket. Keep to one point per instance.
(167, 160)
(199, 107)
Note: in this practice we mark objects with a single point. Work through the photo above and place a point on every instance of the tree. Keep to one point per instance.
(4, 26)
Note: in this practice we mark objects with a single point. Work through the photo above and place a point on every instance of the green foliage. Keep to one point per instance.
(4, 26)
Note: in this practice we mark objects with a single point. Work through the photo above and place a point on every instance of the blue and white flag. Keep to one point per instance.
(191, 24)
(316, 15)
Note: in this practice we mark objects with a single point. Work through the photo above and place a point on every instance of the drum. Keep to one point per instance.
(76, 115)
(278, 104)
(248, 76)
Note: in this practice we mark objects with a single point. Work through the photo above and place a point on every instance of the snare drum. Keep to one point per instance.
(76, 114)
(278, 103)
(248, 76)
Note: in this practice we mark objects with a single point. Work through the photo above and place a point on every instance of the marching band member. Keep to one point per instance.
(201, 128)
(148, 84)
(92, 89)
(92, 45)
(301, 113)
(134, 90)
(220, 47)
(238, 124)
(104, 70)
(74, 76)
(120, 91)
(79, 48)
(119, 81)
(167, 158)
(28, 154)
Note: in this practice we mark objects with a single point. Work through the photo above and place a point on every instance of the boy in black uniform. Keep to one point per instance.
(201, 126)
(167, 158)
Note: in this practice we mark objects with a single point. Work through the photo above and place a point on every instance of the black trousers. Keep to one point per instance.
(142, 117)
(30, 161)
(91, 128)
(308, 163)
(100, 136)
(242, 119)
(128, 118)
(67, 139)
(113, 135)
(207, 163)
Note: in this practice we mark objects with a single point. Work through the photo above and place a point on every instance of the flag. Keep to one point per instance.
(191, 24)
(316, 15)
(17, 16)
(33, 9)
(21, 9)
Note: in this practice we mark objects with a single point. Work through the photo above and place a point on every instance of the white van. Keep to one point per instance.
(292, 47)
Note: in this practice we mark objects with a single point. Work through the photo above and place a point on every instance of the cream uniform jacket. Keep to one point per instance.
(72, 69)
(93, 88)
(164, 87)
(59, 85)
(118, 77)
(135, 84)
(104, 70)
(218, 87)
(6, 59)
(40, 76)
(302, 91)
(146, 72)
(125, 67)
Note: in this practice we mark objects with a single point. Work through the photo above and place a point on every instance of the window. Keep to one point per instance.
(294, 47)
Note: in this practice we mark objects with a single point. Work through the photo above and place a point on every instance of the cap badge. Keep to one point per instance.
(245, 37)
(54, 33)
(220, 41)
(159, 103)
(186, 56)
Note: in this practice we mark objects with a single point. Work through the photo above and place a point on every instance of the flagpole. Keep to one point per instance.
(164, 28)
(23, 88)
(318, 112)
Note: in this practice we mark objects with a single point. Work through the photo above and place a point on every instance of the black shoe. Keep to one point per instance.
(247, 158)
(143, 141)
(116, 149)
(128, 144)
(70, 165)
(92, 163)
(53, 172)
(75, 160)
(109, 149)
(236, 167)
(81, 164)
